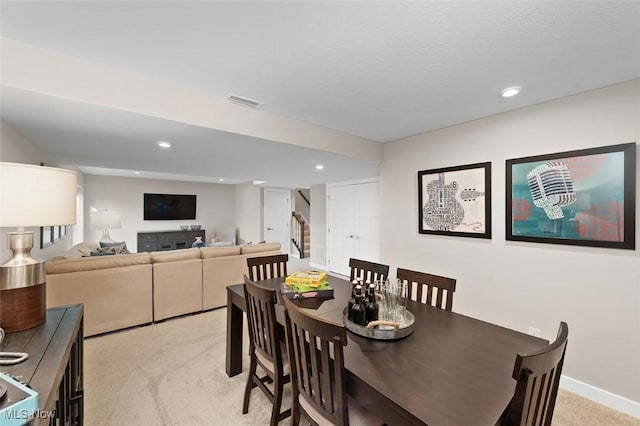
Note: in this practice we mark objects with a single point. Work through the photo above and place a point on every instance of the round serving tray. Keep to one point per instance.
(381, 332)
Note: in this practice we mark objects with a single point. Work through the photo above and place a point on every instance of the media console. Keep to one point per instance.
(167, 240)
(54, 369)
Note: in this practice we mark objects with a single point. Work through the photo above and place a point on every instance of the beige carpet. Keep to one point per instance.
(172, 373)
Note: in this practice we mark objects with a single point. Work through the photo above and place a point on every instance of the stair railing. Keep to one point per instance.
(298, 233)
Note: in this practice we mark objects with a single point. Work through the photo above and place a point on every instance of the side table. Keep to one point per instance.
(54, 367)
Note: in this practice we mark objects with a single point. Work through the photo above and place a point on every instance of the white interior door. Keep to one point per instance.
(277, 216)
(367, 222)
(353, 225)
(341, 228)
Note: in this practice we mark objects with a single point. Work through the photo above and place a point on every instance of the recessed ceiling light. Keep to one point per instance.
(220, 180)
(319, 167)
(136, 173)
(164, 144)
(259, 182)
(510, 91)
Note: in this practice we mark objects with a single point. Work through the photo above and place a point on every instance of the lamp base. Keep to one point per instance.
(23, 308)
(22, 286)
(106, 238)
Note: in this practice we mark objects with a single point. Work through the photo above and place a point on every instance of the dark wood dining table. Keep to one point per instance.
(452, 370)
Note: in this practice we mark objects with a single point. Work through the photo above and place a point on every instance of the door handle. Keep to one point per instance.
(269, 229)
(349, 236)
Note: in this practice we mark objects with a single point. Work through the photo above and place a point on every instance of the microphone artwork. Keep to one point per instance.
(551, 188)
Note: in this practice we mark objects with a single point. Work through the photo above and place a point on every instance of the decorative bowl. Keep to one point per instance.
(184, 227)
(195, 227)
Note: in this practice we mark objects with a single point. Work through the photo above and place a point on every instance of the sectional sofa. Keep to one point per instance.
(126, 290)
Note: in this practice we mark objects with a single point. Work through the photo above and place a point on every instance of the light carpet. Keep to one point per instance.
(173, 374)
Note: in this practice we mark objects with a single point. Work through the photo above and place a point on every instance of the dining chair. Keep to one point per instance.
(318, 375)
(538, 375)
(430, 289)
(265, 267)
(265, 347)
(366, 270)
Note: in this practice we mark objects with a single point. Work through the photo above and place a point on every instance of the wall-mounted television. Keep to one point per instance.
(169, 207)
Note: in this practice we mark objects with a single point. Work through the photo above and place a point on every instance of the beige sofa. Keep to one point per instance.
(126, 290)
(116, 290)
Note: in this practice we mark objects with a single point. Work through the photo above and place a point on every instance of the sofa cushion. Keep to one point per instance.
(174, 255)
(259, 248)
(84, 248)
(100, 262)
(79, 250)
(209, 252)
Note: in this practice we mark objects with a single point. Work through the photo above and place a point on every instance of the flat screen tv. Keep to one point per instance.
(169, 207)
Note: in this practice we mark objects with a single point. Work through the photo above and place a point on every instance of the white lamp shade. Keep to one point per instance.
(105, 219)
(36, 195)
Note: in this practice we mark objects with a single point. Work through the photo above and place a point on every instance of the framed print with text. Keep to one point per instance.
(455, 201)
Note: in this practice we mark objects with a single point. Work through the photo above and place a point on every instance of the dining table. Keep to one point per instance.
(451, 370)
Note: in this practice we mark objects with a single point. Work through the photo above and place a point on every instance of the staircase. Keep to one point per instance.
(302, 235)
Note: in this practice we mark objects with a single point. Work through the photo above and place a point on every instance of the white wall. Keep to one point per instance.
(596, 291)
(248, 205)
(14, 148)
(215, 205)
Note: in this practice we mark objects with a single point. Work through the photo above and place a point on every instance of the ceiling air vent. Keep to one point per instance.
(244, 101)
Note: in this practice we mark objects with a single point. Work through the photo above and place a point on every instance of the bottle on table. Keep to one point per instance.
(355, 289)
(358, 310)
(372, 305)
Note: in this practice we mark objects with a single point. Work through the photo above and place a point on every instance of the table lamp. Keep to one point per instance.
(105, 220)
(30, 196)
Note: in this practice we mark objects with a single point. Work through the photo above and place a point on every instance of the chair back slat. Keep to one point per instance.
(538, 378)
(317, 365)
(365, 270)
(422, 282)
(265, 267)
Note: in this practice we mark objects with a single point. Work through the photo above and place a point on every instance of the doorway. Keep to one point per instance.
(277, 216)
(354, 222)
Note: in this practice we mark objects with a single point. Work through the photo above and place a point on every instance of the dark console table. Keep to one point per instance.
(54, 366)
(167, 240)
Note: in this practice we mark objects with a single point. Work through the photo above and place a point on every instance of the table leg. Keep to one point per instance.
(235, 321)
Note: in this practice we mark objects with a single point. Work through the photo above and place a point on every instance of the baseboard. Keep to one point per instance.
(601, 396)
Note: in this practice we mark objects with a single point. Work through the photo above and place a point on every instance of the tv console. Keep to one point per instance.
(167, 240)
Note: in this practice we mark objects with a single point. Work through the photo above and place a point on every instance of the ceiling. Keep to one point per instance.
(378, 70)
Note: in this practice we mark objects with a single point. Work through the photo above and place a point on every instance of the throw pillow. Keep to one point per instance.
(121, 247)
(104, 251)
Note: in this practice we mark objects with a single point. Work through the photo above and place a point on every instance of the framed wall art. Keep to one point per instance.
(583, 198)
(46, 236)
(455, 201)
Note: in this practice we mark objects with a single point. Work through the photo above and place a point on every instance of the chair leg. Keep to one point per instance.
(250, 384)
(278, 390)
(295, 410)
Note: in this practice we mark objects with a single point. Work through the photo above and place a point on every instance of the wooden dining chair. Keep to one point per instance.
(265, 267)
(265, 340)
(367, 270)
(538, 376)
(431, 289)
(318, 376)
